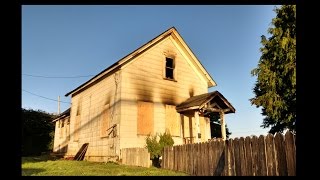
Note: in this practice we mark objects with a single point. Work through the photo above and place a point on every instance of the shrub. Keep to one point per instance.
(155, 148)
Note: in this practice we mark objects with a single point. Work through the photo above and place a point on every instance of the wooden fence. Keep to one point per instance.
(135, 157)
(251, 156)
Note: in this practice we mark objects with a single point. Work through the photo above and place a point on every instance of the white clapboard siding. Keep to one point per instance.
(142, 80)
(94, 99)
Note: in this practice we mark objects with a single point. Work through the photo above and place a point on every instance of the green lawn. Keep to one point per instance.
(47, 166)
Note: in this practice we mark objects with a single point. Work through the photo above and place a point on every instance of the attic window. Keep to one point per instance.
(169, 68)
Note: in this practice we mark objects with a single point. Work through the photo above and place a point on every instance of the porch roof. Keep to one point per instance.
(208, 102)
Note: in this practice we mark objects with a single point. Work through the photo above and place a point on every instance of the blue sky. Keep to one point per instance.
(68, 41)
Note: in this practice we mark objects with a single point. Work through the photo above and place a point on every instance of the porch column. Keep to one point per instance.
(223, 125)
(197, 122)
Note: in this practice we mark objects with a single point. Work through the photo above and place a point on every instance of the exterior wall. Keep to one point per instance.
(143, 80)
(94, 100)
(61, 135)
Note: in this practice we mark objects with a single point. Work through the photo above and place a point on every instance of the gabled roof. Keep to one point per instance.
(117, 65)
(62, 115)
(199, 101)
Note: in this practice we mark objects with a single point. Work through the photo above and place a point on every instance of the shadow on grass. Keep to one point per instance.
(31, 171)
(33, 159)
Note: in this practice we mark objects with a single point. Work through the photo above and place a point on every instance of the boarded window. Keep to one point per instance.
(169, 68)
(68, 128)
(105, 120)
(79, 108)
(61, 129)
(145, 118)
(77, 121)
(173, 121)
(76, 128)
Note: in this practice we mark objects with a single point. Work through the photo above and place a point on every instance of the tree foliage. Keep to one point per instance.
(155, 147)
(215, 127)
(275, 88)
(36, 129)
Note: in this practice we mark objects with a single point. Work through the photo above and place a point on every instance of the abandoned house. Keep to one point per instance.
(161, 86)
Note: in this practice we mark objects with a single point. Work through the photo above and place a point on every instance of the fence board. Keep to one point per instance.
(210, 157)
(135, 157)
(262, 157)
(171, 158)
(232, 161)
(242, 156)
(250, 156)
(270, 153)
(180, 158)
(255, 160)
(281, 155)
(290, 153)
(191, 155)
(248, 149)
(237, 157)
(203, 159)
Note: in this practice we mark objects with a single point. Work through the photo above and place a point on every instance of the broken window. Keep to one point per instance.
(169, 68)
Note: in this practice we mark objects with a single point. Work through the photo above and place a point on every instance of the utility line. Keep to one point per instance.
(44, 97)
(56, 76)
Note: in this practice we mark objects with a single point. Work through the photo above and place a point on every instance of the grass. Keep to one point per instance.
(49, 166)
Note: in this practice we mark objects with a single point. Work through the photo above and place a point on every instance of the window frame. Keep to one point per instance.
(173, 68)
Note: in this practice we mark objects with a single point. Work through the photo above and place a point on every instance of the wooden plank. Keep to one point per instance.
(172, 121)
(220, 159)
(163, 165)
(200, 160)
(105, 122)
(214, 156)
(190, 159)
(176, 158)
(145, 118)
(262, 156)
(247, 146)
(81, 153)
(255, 160)
(210, 154)
(171, 158)
(226, 159)
(242, 155)
(237, 157)
(196, 160)
(270, 154)
(281, 155)
(182, 158)
(290, 153)
(206, 160)
(76, 130)
(179, 158)
(231, 159)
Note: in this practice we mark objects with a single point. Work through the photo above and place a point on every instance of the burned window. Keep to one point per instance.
(169, 68)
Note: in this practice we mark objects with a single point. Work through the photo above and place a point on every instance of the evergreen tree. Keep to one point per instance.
(37, 129)
(275, 88)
